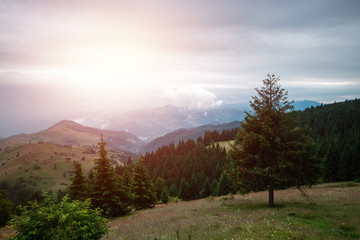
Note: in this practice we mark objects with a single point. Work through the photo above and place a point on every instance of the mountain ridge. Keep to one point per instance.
(187, 133)
(68, 132)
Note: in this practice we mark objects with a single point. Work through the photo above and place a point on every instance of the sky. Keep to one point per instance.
(60, 58)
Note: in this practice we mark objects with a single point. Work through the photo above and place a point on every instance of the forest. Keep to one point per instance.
(336, 131)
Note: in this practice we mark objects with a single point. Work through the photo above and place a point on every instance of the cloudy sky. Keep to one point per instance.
(61, 56)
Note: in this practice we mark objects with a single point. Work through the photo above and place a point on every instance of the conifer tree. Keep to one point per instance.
(225, 185)
(142, 188)
(173, 191)
(164, 196)
(106, 193)
(160, 185)
(78, 185)
(193, 188)
(126, 179)
(206, 189)
(331, 165)
(272, 151)
(184, 192)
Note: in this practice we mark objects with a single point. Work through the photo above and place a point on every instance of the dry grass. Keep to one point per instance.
(335, 216)
(226, 144)
(42, 165)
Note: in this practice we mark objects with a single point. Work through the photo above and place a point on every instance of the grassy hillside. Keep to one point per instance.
(226, 144)
(70, 133)
(335, 216)
(47, 166)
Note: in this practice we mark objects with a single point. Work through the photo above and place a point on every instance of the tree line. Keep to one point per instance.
(191, 169)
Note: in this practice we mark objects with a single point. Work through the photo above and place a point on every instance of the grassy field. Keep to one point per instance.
(227, 144)
(336, 215)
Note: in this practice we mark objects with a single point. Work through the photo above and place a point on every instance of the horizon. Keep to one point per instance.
(72, 60)
(95, 124)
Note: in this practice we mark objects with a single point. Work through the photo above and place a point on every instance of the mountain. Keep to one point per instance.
(185, 134)
(302, 105)
(149, 124)
(71, 133)
(47, 166)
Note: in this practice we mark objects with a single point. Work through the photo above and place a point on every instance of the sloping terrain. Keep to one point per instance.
(152, 123)
(48, 166)
(334, 216)
(70, 133)
(185, 134)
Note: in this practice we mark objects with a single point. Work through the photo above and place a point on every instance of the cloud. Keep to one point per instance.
(192, 97)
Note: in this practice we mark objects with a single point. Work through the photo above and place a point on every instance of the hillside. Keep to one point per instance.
(336, 129)
(335, 216)
(48, 166)
(70, 133)
(185, 134)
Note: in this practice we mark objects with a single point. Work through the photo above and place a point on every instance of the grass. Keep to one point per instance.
(35, 164)
(335, 216)
(226, 144)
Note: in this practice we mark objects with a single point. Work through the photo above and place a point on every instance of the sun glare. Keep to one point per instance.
(114, 67)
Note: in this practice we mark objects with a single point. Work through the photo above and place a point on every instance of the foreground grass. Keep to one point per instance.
(335, 216)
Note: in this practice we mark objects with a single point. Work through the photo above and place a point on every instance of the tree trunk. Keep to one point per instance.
(271, 194)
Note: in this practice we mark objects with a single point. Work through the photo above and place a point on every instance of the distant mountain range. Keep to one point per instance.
(302, 105)
(133, 129)
(149, 124)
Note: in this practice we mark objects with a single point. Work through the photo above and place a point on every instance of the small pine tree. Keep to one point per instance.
(225, 185)
(142, 188)
(184, 192)
(206, 189)
(331, 165)
(160, 185)
(193, 188)
(164, 197)
(77, 187)
(173, 191)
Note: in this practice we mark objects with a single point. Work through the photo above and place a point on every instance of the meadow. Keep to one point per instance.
(335, 215)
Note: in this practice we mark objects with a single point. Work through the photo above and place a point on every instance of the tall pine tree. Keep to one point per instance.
(272, 150)
(106, 192)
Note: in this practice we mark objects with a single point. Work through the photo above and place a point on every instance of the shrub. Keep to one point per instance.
(64, 220)
(6, 209)
(36, 167)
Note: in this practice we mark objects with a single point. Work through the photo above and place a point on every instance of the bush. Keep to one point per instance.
(36, 167)
(64, 220)
(6, 209)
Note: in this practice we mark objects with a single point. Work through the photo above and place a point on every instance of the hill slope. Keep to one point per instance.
(48, 166)
(336, 129)
(248, 217)
(185, 134)
(70, 133)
